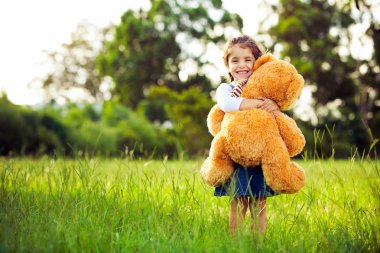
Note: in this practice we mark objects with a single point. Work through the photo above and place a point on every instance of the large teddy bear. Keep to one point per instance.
(256, 137)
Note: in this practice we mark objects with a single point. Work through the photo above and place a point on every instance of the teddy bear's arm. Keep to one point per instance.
(218, 167)
(290, 133)
(214, 120)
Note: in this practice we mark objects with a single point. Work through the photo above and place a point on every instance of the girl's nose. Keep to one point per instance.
(240, 63)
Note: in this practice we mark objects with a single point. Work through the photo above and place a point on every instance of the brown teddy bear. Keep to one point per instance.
(253, 137)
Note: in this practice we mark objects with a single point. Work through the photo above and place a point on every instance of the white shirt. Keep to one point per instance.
(224, 100)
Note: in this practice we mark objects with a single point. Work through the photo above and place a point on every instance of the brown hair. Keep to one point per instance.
(243, 41)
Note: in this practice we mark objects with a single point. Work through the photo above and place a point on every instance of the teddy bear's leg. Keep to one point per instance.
(218, 167)
(280, 173)
(290, 133)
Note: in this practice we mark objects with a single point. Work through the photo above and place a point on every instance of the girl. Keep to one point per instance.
(247, 185)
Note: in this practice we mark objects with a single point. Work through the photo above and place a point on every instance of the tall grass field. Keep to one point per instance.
(131, 205)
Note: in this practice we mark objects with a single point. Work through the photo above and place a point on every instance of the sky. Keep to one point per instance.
(30, 28)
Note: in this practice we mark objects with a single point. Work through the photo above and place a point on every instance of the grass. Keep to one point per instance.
(105, 205)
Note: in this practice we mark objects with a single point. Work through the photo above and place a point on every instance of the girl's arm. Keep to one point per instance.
(229, 104)
(247, 104)
(224, 100)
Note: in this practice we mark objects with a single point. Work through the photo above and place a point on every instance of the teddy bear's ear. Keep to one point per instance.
(262, 60)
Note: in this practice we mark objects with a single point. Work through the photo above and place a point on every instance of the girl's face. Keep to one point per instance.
(240, 62)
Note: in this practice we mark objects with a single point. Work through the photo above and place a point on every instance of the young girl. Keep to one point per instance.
(247, 185)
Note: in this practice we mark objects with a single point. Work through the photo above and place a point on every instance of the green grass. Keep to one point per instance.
(105, 205)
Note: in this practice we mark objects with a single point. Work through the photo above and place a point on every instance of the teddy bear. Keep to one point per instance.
(256, 137)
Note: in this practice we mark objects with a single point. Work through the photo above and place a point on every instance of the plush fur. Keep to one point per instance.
(253, 137)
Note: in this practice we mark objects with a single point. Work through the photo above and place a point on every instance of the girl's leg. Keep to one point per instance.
(238, 210)
(257, 207)
(233, 214)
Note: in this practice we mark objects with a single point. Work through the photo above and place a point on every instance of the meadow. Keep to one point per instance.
(132, 205)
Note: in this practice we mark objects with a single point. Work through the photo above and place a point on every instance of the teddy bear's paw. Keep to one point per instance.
(215, 173)
(298, 178)
(290, 182)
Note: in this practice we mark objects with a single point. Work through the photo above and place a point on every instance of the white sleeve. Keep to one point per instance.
(224, 100)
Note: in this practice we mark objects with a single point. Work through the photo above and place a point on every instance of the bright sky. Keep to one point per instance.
(28, 28)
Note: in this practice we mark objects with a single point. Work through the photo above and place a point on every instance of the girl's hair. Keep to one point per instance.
(243, 41)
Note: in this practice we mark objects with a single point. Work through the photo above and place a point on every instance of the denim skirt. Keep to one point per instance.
(245, 182)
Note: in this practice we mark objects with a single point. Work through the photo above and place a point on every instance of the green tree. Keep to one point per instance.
(186, 112)
(24, 131)
(369, 103)
(152, 47)
(134, 132)
(304, 30)
(316, 34)
(11, 130)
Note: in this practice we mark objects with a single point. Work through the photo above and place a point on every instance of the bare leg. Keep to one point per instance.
(239, 207)
(233, 214)
(257, 207)
(263, 215)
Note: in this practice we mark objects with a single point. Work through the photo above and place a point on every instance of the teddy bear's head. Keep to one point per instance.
(275, 79)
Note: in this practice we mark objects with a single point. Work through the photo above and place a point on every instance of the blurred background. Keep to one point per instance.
(121, 78)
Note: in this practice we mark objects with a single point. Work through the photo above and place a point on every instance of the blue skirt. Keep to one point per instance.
(245, 182)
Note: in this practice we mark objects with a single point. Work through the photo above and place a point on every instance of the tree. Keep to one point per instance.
(25, 131)
(74, 75)
(369, 103)
(152, 47)
(315, 34)
(304, 31)
(187, 112)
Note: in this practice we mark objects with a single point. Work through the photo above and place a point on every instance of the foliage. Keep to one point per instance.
(116, 130)
(126, 205)
(75, 130)
(146, 47)
(24, 131)
(135, 132)
(304, 29)
(315, 35)
(187, 110)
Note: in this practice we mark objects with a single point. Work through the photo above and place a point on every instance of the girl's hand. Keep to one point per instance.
(261, 103)
(242, 82)
(247, 104)
(268, 105)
